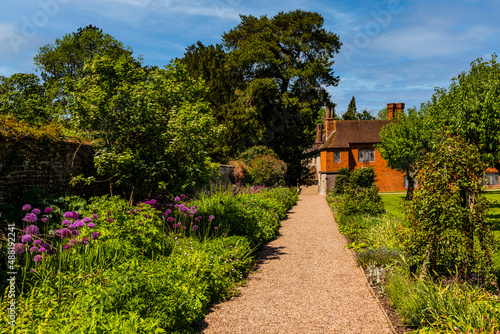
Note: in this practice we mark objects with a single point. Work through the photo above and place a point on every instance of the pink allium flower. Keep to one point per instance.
(26, 207)
(38, 258)
(48, 210)
(36, 211)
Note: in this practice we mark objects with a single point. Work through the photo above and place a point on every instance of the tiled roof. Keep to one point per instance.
(354, 132)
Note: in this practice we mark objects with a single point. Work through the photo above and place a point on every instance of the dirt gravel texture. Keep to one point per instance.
(306, 281)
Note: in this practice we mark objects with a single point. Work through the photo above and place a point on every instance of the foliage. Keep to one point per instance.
(365, 115)
(275, 72)
(470, 108)
(383, 114)
(256, 151)
(267, 170)
(341, 181)
(358, 178)
(405, 141)
(450, 306)
(23, 97)
(447, 225)
(142, 121)
(351, 112)
(18, 129)
(241, 174)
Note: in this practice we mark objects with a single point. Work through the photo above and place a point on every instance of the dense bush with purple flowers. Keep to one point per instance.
(152, 267)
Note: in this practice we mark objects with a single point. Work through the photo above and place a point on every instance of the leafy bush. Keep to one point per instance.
(256, 151)
(240, 174)
(267, 170)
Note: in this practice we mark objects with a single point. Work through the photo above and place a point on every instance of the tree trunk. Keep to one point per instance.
(411, 186)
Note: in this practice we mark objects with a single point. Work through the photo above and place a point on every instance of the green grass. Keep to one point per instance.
(391, 203)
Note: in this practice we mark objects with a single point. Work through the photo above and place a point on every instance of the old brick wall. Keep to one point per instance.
(27, 163)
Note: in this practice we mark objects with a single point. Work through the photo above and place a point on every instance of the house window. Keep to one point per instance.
(366, 155)
(336, 156)
(415, 183)
(490, 179)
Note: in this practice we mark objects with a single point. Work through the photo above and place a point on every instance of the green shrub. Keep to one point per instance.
(267, 170)
(256, 151)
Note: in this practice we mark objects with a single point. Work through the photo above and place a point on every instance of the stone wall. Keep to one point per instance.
(28, 163)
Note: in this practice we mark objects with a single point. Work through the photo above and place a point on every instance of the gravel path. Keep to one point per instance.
(306, 282)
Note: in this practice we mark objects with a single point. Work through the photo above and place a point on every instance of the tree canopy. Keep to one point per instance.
(282, 65)
(470, 108)
(352, 111)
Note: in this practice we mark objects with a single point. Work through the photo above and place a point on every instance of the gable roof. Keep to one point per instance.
(354, 132)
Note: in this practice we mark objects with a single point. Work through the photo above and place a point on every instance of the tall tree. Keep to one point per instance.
(286, 62)
(470, 108)
(405, 141)
(351, 112)
(23, 96)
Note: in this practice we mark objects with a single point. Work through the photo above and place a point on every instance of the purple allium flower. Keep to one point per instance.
(26, 207)
(68, 214)
(34, 249)
(66, 247)
(177, 199)
(65, 233)
(66, 222)
(31, 229)
(75, 232)
(74, 215)
(44, 219)
(183, 197)
(46, 246)
(194, 228)
(73, 242)
(51, 251)
(87, 220)
(72, 226)
(41, 250)
(153, 202)
(30, 218)
(37, 242)
(184, 227)
(95, 235)
(110, 219)
(211, 217)
(168, 211)
(18, 248)
(185, 209)
(32, 270)
(48, 210)
(38, 258)
(215, 227)
(170, 219)
(85, 240)
(79, 223)
(95, 216)
(26, 238)
(90, 225)
(36, 211)
(174, 225)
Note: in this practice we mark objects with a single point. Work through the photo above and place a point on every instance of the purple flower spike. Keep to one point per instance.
(36, 211)
(33, 249)
(32, 229)
(48, 210)
(153, 202)
(85, 240)
(66, 222)
(26, 207)
(42, 250)
(170, 219)
(68, 214)
(74, 215)
(177, 199)
(38, 258)
(194, 228)
(18, 248)
(46, 246)
(91, 225)
(72, 226)
(95, 235)
(26, 238)
(174, 225)
(37, 242)
(211, 217)
(95, 216)
(183, 197)
(215, 227)
(87, 220)
(44, 219)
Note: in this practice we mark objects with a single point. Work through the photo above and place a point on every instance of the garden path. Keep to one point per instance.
(306, 282)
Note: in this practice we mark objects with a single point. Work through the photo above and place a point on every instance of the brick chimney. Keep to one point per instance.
(400, 108)
(329, 121)
(319, 135)
(390, 110)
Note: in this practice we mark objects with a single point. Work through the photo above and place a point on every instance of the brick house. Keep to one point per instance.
(351, 144)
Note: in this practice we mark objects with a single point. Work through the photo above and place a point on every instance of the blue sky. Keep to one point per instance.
(393, 50)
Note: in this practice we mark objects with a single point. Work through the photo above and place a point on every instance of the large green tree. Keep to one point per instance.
(286, 63)
(352, 111)
(405, 141)
(151, 128)
(470, 108)
(23, 96)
